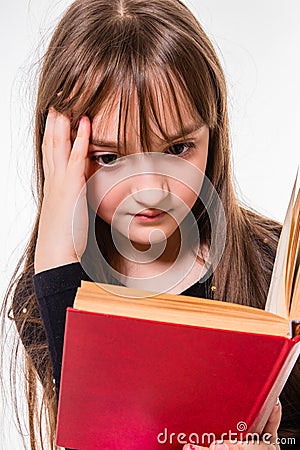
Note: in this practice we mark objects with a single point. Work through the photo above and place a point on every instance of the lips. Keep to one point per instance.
(150, 216)
(150, 213)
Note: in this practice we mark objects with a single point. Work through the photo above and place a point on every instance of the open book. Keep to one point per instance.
(143, 370)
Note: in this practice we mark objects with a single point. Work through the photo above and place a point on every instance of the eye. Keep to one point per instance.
(181, 149)
(105, 159)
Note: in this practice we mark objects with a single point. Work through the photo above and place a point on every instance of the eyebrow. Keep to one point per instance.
(173, 137)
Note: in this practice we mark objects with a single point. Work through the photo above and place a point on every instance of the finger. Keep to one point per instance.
(227, 445)
(253, 442)
(61, 143)
(193, 447)
(272, 425)
(47, 144)
(80, 147)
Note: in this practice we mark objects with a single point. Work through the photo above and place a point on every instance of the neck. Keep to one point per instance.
(149, 259)
(176, 269)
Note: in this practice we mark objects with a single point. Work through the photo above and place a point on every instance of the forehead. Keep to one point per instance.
(167, 112)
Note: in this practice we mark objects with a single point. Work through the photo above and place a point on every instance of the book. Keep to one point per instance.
(152, 371)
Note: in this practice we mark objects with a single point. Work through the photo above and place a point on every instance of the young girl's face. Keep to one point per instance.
(145, 196)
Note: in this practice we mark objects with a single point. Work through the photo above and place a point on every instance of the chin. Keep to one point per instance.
(156, 238)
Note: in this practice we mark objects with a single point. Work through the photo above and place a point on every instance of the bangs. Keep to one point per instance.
(150, 60)
(155, 102)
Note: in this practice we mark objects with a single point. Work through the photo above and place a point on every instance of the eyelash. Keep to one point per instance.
(188, 145)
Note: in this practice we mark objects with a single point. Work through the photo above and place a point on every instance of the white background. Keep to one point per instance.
(258, 43)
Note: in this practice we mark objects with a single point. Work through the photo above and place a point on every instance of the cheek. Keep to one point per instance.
(91, 169)
(188, 188)
(109, 204)
(201, 161)
(186, 194)
(196, 178)
(101, 199)
(103, 192)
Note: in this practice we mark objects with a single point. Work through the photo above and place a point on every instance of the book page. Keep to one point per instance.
(276, 300)
(295, 303)
(293, 254)
(177, 309)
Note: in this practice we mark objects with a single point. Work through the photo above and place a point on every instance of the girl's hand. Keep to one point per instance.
(268, 441)
(64, 169)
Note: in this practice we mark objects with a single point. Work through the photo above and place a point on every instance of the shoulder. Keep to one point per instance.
(58, 279)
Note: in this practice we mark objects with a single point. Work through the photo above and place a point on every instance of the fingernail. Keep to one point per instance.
(220, 447)
(277, 402)
(82, 121)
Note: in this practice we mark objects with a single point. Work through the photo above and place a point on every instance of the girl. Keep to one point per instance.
(122, 79)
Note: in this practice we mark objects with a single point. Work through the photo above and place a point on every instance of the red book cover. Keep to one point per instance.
(141, 384)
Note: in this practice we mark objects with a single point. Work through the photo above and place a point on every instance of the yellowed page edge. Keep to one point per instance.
(293, 251)
(276, 300)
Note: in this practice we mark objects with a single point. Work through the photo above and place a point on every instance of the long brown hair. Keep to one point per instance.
(98, 46)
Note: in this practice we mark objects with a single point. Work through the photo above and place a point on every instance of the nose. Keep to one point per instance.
(151, 191)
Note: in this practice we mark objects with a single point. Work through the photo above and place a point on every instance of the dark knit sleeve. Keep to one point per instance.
(55, 290)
